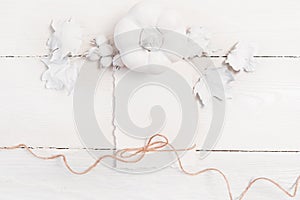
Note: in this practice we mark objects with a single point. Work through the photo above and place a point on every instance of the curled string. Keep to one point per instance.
(137, 154)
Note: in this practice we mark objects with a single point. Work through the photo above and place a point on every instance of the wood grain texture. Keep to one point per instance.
(22, 176)
(273, 25)
(263, 114)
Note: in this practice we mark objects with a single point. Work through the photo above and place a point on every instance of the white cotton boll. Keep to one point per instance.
(106, 61)
(105, 50)
(93, 54)
(101, 39)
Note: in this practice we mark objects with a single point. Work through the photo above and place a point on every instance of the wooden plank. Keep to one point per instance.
(263, 114)
(273, 25)
(37, 116)
(22, 176)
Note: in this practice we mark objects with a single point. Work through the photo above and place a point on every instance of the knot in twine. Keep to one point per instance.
(150, 146)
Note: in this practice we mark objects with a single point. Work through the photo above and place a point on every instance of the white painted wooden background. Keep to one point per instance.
(262, 118)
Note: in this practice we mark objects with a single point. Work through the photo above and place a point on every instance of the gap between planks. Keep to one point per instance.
(197, 150)
(213, 56)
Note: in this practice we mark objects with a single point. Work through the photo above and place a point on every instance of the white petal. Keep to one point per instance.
(101, 39)
(106, 50)
(93, 54)
(106, 61)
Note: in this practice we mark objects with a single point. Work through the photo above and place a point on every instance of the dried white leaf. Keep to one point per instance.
(106, 61)
(65, 40)
(219, 90)
(227, 78)
(55, 56)
(106, 50)
(93, 54)
(242, 57)
(201, 37)
(226, 75)
(60, 75)
(202, 92)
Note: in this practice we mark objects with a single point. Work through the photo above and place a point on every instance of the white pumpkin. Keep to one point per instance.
(147, 18)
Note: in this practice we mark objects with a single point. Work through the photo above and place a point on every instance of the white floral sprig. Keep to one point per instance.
(104, 53)
(64, 42)
(66, 39)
